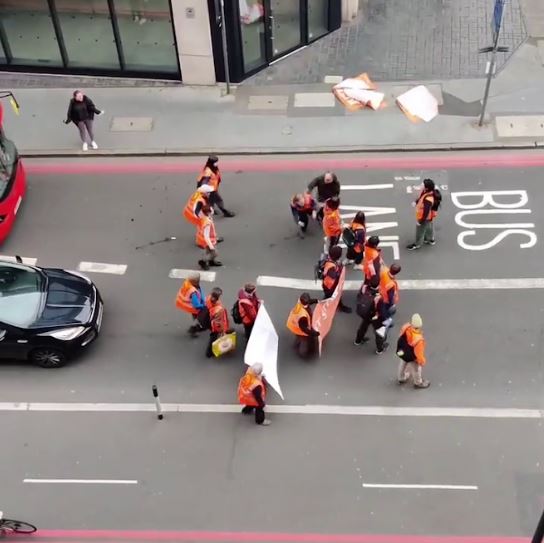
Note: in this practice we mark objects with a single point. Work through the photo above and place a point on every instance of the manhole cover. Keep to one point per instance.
(131, 124)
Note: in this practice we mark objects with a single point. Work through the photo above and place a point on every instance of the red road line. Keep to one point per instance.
(259, 537)
(317, 164)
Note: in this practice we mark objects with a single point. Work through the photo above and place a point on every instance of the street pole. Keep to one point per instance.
(539, 534)
(489, 77)
(224, 41)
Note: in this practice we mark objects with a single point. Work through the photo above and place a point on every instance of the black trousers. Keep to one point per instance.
(213, 337)
(328, 294)
(216, 200)
(361, 331)
(352, 255)
(305, 346)
(259, 413)
(303, 218)
(247, 330)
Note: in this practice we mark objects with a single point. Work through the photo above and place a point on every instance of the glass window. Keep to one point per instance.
(253, 36)
(285, 25)
(318, 18)
(88, 34)
(21, 295)
(8, 161)
(3, 59)
(147, 35)
(30, 32)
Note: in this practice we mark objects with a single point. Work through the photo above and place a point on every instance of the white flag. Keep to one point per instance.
(263, 347)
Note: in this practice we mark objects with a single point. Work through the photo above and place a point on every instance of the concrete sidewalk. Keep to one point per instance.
(291, 118)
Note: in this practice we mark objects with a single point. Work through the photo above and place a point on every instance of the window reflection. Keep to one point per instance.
(253, 36)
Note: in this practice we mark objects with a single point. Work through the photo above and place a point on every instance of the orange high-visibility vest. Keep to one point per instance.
(307, 206)
(183, 298)
(355, 226)
(202, 223)
(420, 206)
(218, 316)
(386, 284)
(248, 383)
(215, 178)
(368, 263)
(332, 222)
(328, 282)
(416, 341)
(296, 314)
(189, 211)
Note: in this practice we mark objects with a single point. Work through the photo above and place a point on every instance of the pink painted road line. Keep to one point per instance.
(65, 536)
(316, 164)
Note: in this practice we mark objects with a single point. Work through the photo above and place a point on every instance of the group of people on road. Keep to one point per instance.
(377, 298)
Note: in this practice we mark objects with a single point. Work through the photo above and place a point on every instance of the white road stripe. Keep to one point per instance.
(83, 481)
(368, 187)
(422, 487)
(412, 284)
(176, 273)
(102, 267)
(339, 410)
(28, 261)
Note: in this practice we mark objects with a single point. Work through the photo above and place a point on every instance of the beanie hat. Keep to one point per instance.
(416, 320)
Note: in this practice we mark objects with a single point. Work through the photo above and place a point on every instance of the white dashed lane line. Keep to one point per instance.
(83, 481)
(102, 267)
(26, 260)
(176, 273)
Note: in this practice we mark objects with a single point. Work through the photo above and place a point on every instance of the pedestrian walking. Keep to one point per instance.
(206, 239)
(427, 205)
(252, 394)
(327, 186)
(219, 319)
(366, 309)
(81, 112)
(381, 322)
(303, 206)
(211, 176)
(332, 270)
(248, 307)
(389, 288)
(411, 351)
(332, 223)
(299, 323)
(356, 243)
(190, 298)
(195, 203)
(372, 260)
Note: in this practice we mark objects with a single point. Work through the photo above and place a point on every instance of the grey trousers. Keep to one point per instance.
(409, 369)
(86, 130)
(424, 232)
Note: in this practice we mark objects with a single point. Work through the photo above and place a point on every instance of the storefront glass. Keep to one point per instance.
(253, 33)
(94, 36)
(30, 33)
(318, 18)
(285, 15)
(147, 35)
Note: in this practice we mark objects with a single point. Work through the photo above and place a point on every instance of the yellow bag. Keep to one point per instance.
(224, 344)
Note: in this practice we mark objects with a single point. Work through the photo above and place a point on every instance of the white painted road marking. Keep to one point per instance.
(176, 273)
(342, 410)
(83, 481)
(369, 187)
(28, 261)
(422, 487)
(412, 284)
(102, 267)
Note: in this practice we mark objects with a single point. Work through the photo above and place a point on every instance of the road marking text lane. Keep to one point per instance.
(102, 267)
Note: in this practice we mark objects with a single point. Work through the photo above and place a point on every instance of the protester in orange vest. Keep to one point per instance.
(332, 270)
(206, 239)
(190, 299)
(356, 252)
(219, 319)
(302, 208)
(426, 205)
(195, 203)
(252, 394)
(248, 307)
(372, 261)
(300, 323)
(332, 222)
(411, 351)
(389, 288)
(211, 176)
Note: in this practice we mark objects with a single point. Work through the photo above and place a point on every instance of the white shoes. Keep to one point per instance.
(94, 145)
(85, 147)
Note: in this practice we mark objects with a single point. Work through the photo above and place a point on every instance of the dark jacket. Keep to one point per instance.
(81, 111)
(325, 190)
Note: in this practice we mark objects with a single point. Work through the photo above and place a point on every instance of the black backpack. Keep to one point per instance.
(235, 312)
(408, 354)
(437, 200)
(365, 303)
(319, 268)
(348, 237)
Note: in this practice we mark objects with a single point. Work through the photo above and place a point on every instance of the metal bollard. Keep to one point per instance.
(157, 402)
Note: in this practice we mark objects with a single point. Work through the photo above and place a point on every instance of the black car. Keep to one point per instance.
(46, 314)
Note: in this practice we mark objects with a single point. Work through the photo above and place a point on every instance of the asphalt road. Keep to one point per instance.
(304, 473)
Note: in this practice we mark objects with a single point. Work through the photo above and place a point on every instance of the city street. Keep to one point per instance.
(471, 444)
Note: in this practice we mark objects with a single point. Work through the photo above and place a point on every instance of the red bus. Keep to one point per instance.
(12, 177)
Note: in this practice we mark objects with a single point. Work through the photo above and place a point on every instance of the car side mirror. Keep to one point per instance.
(18, 259)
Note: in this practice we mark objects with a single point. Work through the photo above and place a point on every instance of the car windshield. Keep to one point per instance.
(21, 294)
(8, 161)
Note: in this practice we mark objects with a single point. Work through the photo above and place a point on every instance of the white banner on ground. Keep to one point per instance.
(263, 347)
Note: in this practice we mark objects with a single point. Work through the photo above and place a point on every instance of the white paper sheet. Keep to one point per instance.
(367, 97)
(419, 102)
(263, 347)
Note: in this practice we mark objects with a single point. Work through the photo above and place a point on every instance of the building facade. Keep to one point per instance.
(158, 39)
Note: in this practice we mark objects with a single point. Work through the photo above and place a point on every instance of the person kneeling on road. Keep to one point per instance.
(332, 270)
(411, 351)
(252, 394)
(206, 239)
(299, 323)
